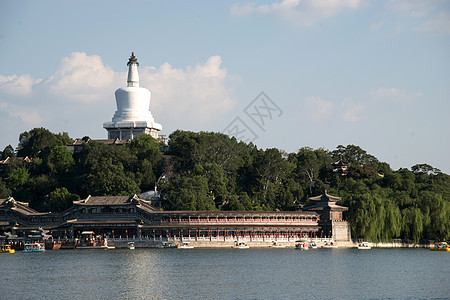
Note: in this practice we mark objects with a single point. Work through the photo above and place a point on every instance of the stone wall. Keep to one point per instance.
(341, 231)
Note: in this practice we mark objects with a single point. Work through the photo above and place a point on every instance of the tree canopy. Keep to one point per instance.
(209, 171)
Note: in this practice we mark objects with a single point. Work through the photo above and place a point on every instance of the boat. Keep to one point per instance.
(185, 245)
(69, 244)
(6, 249)
(89, 242)
(240, 245)
(52, 245)
(313, 246)
(330, 246)
(169, 245)
(276, 245)
(301, 245)
(442, 246)
(131, 246)
(364, 246)
(34, 248)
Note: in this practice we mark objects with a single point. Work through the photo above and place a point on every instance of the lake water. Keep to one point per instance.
(226, 274)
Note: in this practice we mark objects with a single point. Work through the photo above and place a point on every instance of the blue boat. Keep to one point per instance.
(32, 248)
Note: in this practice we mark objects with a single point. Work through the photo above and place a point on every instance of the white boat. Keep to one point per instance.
(313, 246)
(276, 245)
(185, 245)
(240, 245)
(364, 246)
(34, 248)
(131, 246)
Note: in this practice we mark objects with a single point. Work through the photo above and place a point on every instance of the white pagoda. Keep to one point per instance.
(133, 116)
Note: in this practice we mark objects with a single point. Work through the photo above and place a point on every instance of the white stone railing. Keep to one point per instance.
(217, 239)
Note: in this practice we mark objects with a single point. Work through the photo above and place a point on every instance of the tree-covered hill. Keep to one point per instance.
(209, 171)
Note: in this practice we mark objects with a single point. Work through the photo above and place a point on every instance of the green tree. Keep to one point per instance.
(217, 180)
(105, 170)
(145, 147)
(312, 168)
(60, 160)
(145, 175)
(412, 223)
(436, 213)
(7, 152)
(188, 193)
(60, 199)
(354, 155)
(206, 147)
(108, 178)
(5, 192)
(35, 141)
(18, 178)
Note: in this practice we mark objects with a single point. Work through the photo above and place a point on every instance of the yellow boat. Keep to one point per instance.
(442, 246)
(6, 249)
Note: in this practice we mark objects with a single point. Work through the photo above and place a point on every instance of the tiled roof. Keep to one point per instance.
(97, 222)
(325, 198)
(109, 200)
(21, 207)
(104, 141)
(323, 206)
(27, 211)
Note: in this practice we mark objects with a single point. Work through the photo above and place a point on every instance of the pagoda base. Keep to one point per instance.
(117, 130)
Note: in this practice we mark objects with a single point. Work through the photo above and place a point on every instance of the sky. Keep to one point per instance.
(283, 74)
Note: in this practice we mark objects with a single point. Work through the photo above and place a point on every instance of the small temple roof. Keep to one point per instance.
(339, 163)
(325, 202)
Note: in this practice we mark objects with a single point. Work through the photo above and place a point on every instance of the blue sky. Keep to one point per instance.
(371, 73)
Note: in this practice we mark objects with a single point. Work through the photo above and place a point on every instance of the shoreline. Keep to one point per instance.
(260, 244)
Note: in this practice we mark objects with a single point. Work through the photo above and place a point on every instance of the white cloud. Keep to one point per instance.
(376, 26)
(319, 109)
(430, 16)
(199, 93)
(393, 94)
(302, 13)
(352, 111)
(17, 85)
(27, 115)
(440, 24)
(82, 78)
(415, 8)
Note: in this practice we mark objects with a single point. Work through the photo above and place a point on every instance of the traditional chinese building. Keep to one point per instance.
(133, 116)
(331, 221)
(78, 144)
(123, 216)
(340, 167)
(133, 217)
